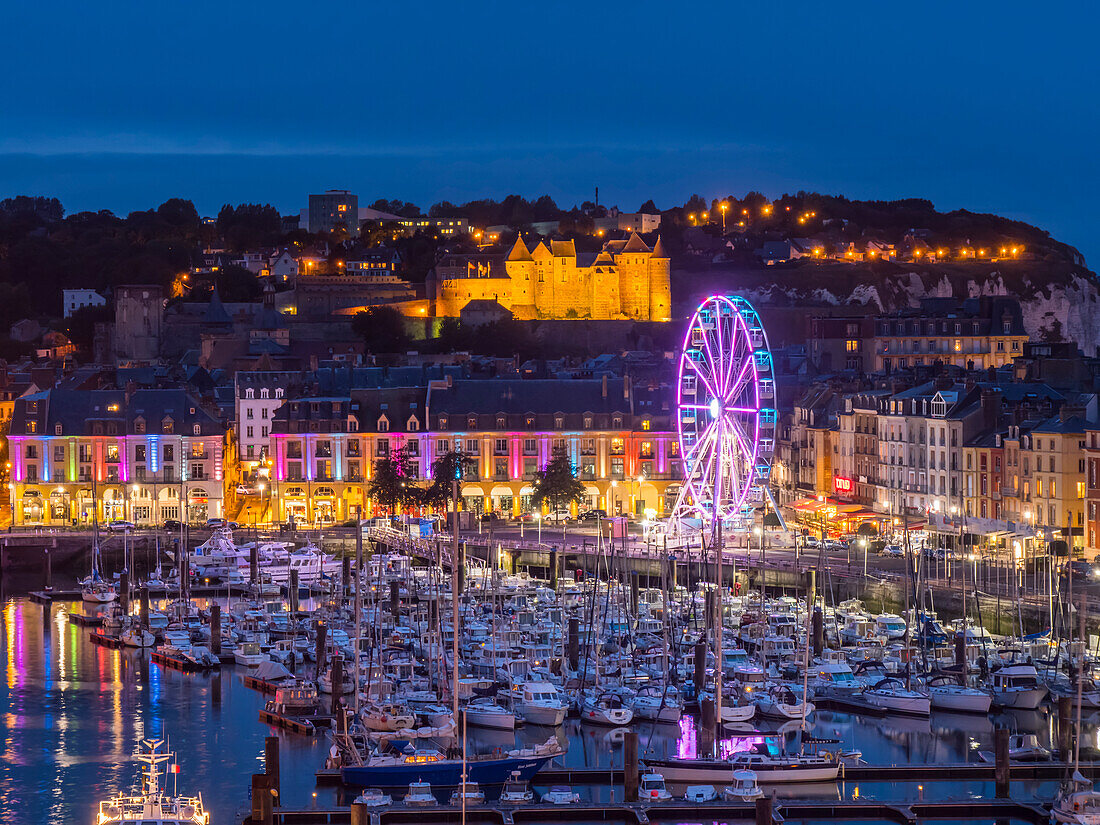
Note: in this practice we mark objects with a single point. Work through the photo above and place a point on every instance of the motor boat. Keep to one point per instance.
(516, 792)
(700, 793)
(771, 763)
(1022, 747)
(561, 795)
(249, 654)
(1017, 686)
(890, 625)
(538, 703)
(651, 788)
(153, 803)
(744, 787)
(373, 798)
(485, 713)
(420, 795)
(835, 680)
(468, 793)
(137, 636)
(604, 709)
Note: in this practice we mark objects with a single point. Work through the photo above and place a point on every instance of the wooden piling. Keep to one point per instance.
(271, 766)
(337, 683)
(143, 609)
(630, 766)
(554, 570)
(764, 810)
(253, 564)
(48, 572)
(574, 642)
(1001, 772)
(1065, 727)
(124, 591)
(818, 624)
(345, 577)
(700, 666)
(292, 584)
(321, 631)
(216, 629)
(395, 600)
(261, 800)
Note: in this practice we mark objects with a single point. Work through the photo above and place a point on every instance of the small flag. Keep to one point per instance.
(175, 768)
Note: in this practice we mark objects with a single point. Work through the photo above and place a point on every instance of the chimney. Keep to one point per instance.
(605, 385)
(313, 363)
(991, 408)
(626, 388)
(131, 388)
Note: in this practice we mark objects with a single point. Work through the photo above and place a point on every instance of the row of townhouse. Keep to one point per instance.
(619, 438)
(78, 456)
(1007, 461)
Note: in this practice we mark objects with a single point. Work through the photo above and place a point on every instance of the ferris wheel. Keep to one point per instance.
(726, 414)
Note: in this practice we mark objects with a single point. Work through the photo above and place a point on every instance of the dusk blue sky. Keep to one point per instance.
(987, 106)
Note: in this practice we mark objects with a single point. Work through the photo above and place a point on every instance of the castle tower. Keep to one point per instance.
(633, 263)
(605, 287)
(660, 290)
(544, 280)
(520, 268)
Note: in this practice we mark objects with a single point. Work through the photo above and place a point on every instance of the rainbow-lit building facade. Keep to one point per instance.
(111, 454)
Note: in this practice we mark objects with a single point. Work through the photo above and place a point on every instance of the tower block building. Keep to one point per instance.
(624, 280)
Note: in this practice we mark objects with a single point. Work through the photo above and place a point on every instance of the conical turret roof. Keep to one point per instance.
(635, 244)
(215, 311)
(658, 249)
(519, 251)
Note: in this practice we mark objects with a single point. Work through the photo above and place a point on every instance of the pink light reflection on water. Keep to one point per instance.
(687, 745)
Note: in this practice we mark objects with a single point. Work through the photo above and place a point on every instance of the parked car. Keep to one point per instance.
(486, 518)
(893, 551)
(592, 515)
(232, 525)
(557, 517)
(170, 524)
(212, 523)
(120, 526)
(1082, 571)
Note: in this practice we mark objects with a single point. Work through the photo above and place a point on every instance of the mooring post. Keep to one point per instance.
(216, 629)
(321, 630)
(143, 609)
(337, 684)
(1065, 727)
(630, 766)
(124, 591)
(360, 813)
(345, 577)
(574, 643)
(764, 810)
(261, 800)
(554, 570)
(819, 631)
(253, 564)
(48, 586)
(1001, 767)
(292, 584)
(271, 766)
(700, 667)
(395, 601)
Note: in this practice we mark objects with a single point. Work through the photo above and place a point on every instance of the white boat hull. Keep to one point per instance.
(542, 715)
(699, 771)
(1023, 699)
(960, 701)
(490, 719)
(893, 703)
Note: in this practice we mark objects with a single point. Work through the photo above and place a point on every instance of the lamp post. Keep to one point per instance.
(614, 484)
(538, 521)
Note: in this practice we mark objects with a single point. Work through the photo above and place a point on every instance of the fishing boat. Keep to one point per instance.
(393, 766)
(516, 792)
(651, 788)
(744, 787)
(420, 795)
(152, 803)
(468, 793)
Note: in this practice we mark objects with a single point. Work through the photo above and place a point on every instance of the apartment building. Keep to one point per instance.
(146, 456)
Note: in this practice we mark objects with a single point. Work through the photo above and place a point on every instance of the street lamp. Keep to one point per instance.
(614, 484)
(723, 206)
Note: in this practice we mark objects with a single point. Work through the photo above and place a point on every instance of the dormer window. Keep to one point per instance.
(264, 392)
(443, 422)
(383, 424)
(139, 426)
(502, 422)
(278, 393)
(197, 430)
(617, 422)
(559, 422)
(353, 424)
(471, 422)
(588, 422)
(57, 429)
(250, 393)
(167, 426)
(413, 424)
(530, 421)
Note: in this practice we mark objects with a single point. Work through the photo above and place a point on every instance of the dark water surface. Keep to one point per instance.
(74, 714)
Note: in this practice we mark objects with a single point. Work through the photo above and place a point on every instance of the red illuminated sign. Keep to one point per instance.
(842, 485)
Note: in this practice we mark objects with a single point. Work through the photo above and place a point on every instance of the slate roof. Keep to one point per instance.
(79, 411)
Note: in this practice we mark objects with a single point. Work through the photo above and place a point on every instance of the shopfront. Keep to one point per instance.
(325, 510)
(114, 505)
(198, 505)
(60, 507)
(473, 499)
(33, 510)
(294, 504)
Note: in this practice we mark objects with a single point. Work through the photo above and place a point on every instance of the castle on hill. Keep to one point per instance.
(624, 280)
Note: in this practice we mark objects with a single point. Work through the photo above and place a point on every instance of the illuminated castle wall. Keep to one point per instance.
(625, 279)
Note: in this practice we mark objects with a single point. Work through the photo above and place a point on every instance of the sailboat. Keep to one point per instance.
(95, 588)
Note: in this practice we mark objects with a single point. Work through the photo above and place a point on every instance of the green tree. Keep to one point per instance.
(445, 469)
(382, 329)
(391, 482)
(80, 326)
(557, 484)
